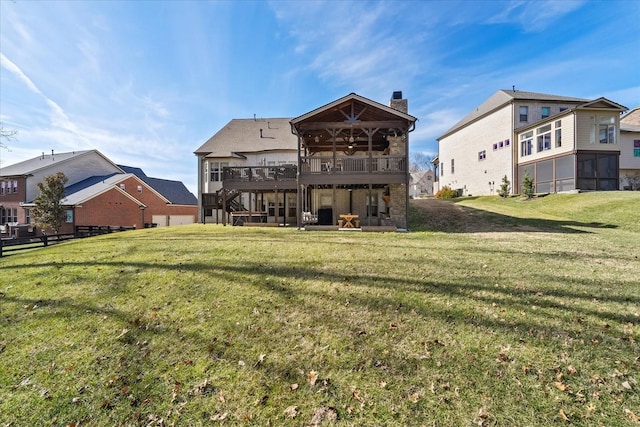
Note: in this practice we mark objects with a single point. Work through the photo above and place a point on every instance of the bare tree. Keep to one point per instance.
(7, 134)
(419, 162)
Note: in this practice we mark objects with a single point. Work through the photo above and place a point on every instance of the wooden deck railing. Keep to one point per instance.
(353, 164)
(260, 173)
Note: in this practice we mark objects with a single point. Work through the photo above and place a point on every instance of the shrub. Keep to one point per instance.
(527, 186)
(446, 192)
(504, 187)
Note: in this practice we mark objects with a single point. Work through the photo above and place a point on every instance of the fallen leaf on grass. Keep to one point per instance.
(414, 397)
(323, 414)
(291, 411)
(219, 417)
(561, 386)
(563, 415)
(312, 377)
(294, 387)
(260, 360)
(633, 417)
(626, 385)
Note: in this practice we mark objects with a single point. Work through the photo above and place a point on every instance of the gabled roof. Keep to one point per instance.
(249, 136)
(632, 117)
(504, 97)
(29, 167)
(174, 191)
(596, 104)
(90, 188)
(329, 110)
(601, 103)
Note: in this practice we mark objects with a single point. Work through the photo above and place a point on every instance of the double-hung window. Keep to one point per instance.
(482, 155)
(545, 112)
(607, 134)
(524, 114)
(526, 144)
(544, 138)
(558, 133)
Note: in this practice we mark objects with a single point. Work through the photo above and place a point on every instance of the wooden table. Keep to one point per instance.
(348, 220)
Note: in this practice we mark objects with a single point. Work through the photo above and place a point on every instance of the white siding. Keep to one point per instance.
(587, 130)
(567, 126)
(471, 174)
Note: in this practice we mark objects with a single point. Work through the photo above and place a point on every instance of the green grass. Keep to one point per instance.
(509, 313)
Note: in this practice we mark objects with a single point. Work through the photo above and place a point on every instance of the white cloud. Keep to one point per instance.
(535, 16)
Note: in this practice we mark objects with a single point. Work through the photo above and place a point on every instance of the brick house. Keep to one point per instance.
(98, 193)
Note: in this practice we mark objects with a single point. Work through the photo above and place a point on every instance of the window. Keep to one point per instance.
(68, 216)
(558, 126)
(139, 188)
(15, 186)
(506, 142)
(453, 168)
(607, 134)
(544, 138)
(372, 210)
(546, 112)
(524, 114)
(526, 144)
(123, 186)
(495, 147)
(501, 144)
(216, 170)
(482, 155)
(27, 216)
(636, 148)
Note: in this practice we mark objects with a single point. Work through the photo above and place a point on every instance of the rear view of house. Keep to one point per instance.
(344, 161)
(564, 143)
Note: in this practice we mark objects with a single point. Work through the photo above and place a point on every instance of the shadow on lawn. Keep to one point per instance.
(475, 291)
(448, 216)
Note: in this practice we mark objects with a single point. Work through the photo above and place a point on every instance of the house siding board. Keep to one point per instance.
(587, 129)
(568, 144)
(75, 169)
(464, 146)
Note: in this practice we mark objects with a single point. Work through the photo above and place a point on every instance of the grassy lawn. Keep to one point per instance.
(492, 312)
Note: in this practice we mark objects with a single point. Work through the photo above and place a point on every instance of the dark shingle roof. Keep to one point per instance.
(174, 191)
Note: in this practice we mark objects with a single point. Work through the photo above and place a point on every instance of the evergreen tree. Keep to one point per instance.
(527, 186)
(49, 212)
(504, 187)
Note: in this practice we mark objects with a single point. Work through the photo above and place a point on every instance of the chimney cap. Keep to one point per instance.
(397, 94)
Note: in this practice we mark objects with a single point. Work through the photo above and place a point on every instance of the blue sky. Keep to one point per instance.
(147, 82)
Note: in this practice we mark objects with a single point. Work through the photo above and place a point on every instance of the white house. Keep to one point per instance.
(514, 132)
(630, 150)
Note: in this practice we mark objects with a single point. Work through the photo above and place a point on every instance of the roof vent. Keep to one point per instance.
(397, 94)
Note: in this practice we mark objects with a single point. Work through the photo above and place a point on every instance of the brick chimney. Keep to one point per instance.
(397, 103)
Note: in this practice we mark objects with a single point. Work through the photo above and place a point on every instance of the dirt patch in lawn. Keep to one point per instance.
(448, 216)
